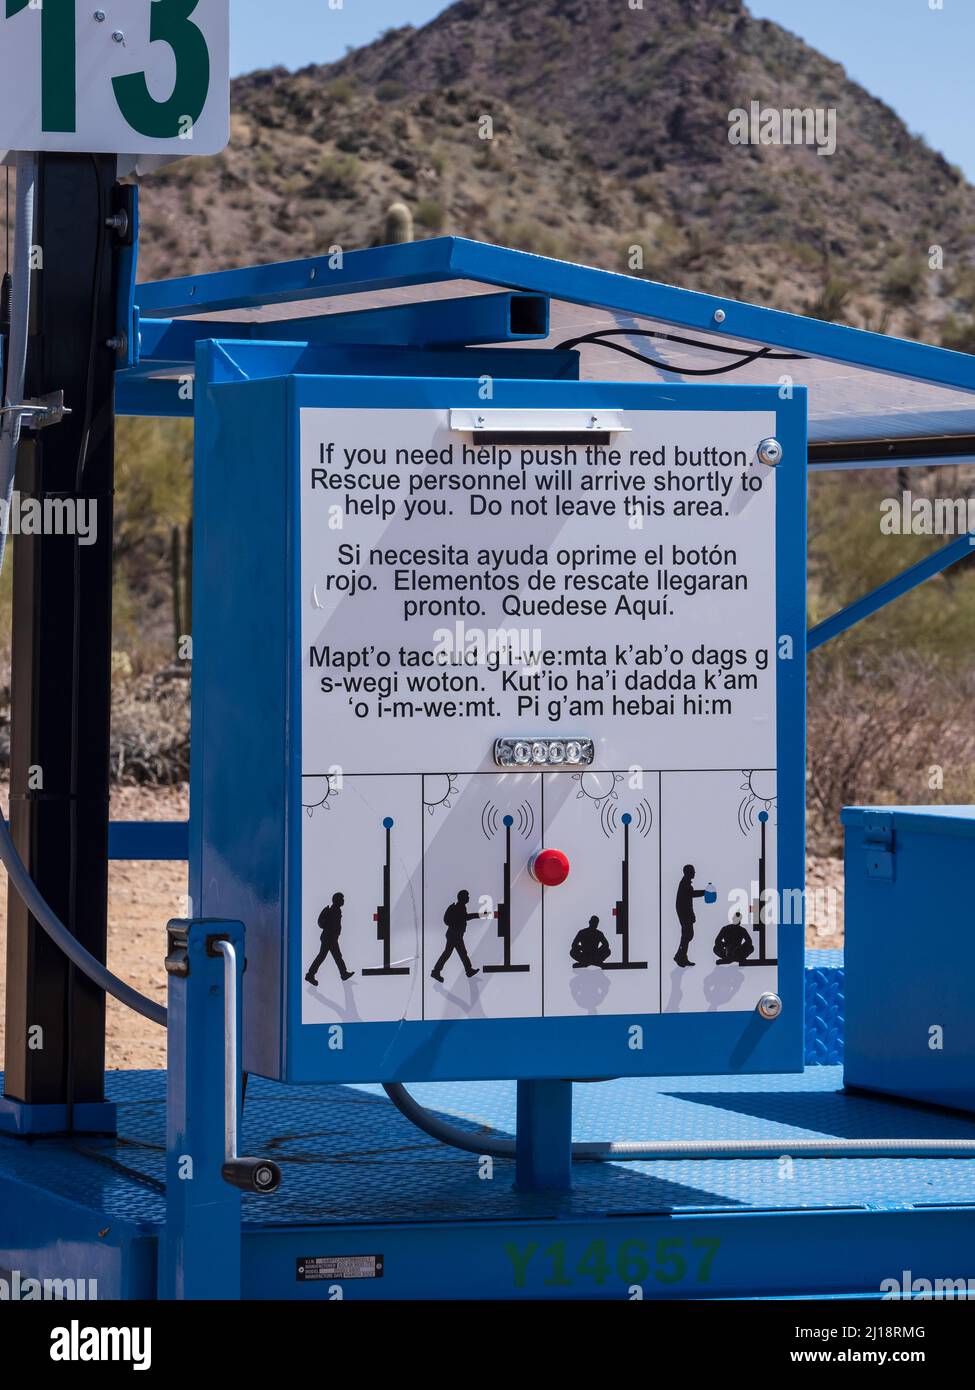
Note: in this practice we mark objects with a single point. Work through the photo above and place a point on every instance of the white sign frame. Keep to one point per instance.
(135, 77)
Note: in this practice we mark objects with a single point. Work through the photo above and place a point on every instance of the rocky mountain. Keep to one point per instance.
(596, 130)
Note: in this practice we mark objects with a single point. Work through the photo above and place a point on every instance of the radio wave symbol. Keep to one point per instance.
(641, 817)
(492, 820)
(644, 818)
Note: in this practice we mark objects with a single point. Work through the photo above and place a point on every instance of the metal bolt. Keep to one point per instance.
(118, 36)
(117, 344)
(719, 316)
(99, 16)
(770, 1006)
(770, 452)
(118, 222)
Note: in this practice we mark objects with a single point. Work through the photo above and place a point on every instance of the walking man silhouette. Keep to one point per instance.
(456, 919)
(330, 923)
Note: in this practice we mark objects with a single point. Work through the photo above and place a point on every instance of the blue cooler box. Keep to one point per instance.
(910, 952)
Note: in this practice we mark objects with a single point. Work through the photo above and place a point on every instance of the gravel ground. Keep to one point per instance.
(143, 896)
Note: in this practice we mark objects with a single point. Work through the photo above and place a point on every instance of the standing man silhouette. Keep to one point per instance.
(686, 893)
(330, 924)
(456, 919)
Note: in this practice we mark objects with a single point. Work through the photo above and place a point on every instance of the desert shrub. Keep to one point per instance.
(430, 214)
(884, 731)
(151, 727)
(832, 300)
(959, 334)
(903, 282)
(337, 175)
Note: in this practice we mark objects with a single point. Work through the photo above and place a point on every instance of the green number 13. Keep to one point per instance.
(169, 22)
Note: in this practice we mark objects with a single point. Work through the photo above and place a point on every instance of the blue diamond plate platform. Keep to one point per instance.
(355, 1170)
(359, 1179)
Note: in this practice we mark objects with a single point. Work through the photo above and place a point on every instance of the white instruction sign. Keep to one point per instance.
(457, 591)
(115, 76)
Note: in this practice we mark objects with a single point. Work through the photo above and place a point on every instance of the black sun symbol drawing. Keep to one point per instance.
(317, 791)
(438, 790)
(759, 797)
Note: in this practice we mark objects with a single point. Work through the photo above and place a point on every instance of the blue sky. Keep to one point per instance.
(916, 58)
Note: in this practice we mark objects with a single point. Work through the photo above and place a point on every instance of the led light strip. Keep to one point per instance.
(544, 752)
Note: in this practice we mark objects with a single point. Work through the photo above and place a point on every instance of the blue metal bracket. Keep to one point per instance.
(199, 1249)
(127, 311)
(543, 1137)
(26, 1121)
(144, 390)
(885, 593)
(466, 321)
(160, 397)
(150, 839)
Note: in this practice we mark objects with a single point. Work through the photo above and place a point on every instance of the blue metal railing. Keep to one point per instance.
(148, 839)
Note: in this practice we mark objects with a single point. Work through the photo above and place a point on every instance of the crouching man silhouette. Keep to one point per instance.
(733, 943)
(590, 947)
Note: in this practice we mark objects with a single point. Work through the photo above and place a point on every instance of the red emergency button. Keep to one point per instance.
(549, 867)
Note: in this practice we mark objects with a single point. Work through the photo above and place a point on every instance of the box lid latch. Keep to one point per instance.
(878, 845)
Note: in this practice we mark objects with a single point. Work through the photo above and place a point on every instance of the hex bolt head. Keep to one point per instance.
(770, 452)
(118, 36)
(99, 16)
(769, 1006)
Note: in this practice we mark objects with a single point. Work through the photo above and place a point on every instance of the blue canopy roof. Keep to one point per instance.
(874, 399)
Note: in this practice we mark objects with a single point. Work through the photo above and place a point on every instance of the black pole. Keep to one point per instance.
(62, 639)
(761, 895)
(622, 911)
(383, 915)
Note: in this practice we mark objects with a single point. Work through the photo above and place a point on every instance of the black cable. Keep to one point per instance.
(743, 356)
(598, 333)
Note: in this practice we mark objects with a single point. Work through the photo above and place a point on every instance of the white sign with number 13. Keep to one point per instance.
(115, 76)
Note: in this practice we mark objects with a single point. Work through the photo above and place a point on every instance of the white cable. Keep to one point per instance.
(494, 1145)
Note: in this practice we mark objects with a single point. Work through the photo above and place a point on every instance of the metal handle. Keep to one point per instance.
(249, 1174)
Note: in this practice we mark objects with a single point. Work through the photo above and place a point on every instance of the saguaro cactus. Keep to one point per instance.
(399, 224)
